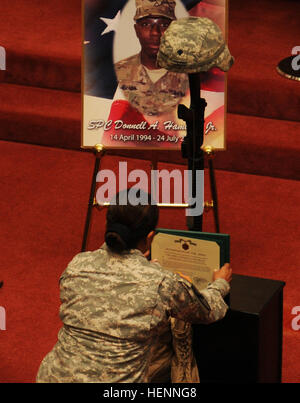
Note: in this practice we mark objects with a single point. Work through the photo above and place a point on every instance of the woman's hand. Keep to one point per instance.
(184, 276)
(147, 254)
(225, 273)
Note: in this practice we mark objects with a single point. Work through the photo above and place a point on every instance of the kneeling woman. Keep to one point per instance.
(116, 307)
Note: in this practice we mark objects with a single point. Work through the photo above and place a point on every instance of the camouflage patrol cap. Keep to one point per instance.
(193, 45)
(159, 8)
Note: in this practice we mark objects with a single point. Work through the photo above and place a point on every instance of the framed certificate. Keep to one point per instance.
(191, 253)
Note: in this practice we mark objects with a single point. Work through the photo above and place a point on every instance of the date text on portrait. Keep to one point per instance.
(145, 138)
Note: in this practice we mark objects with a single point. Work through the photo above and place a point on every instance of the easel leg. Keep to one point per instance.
(194, 223)
(91, 199)
(213, 188)
(153, 176)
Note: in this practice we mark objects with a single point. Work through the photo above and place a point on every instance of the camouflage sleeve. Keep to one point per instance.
(214, 294)
(187, 303)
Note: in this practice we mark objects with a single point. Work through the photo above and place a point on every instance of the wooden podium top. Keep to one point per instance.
(252, 294)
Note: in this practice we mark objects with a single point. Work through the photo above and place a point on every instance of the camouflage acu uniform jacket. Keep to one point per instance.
(115, 309)
(147, 97)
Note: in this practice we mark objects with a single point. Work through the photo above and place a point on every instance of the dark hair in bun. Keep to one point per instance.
(127, 224)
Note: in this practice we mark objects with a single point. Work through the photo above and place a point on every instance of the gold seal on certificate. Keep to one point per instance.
(193, 254)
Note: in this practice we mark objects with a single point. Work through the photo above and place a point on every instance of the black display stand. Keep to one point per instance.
(245, 346)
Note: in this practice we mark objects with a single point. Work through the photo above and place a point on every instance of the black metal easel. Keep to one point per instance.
(191, 147)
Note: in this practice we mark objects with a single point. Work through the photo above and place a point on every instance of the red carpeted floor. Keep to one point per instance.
(43, 217)
(45, 178)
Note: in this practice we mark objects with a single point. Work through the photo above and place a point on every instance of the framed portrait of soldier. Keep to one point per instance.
(128, 100)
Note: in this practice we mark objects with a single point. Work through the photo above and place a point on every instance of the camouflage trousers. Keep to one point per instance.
(173, 360)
